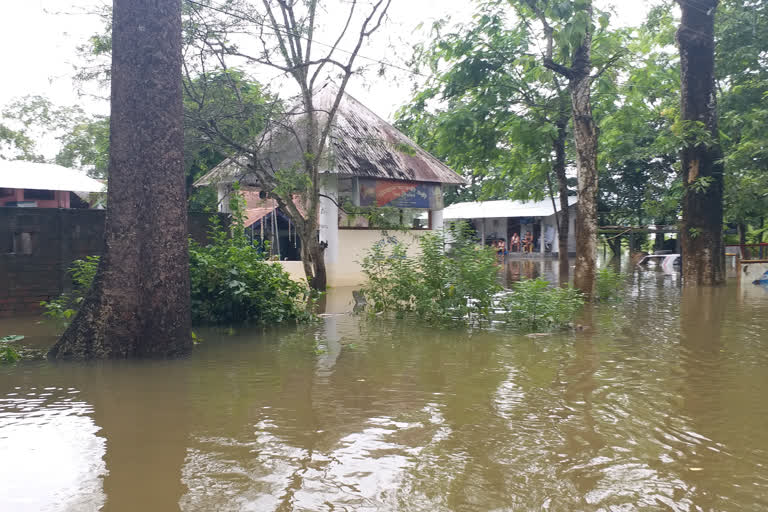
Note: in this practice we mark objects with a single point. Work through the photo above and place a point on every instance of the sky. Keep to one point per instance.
(40, 38)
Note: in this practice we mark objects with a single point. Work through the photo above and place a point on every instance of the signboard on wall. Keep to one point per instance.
(398, 194)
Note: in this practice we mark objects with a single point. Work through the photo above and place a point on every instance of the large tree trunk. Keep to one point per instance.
(139, 303)
(703, 250)
(313, 259)
(585, 138)
(564, 218)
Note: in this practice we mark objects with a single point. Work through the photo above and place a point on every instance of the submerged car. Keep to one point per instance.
(669, 263)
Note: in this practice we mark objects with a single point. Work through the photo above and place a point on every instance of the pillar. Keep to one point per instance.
(329, 217)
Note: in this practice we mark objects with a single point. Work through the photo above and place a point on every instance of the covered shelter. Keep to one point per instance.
(367, 163)
(496, 221)
(43, 185)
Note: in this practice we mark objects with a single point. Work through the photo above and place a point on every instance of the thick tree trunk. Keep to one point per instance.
(314, 263)
(139, 303)
(563, 218)
(703, 249)
(614, 243)
(585, 137)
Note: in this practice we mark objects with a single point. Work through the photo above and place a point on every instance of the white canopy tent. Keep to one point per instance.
(505, 208)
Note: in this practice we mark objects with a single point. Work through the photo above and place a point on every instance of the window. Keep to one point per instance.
(42, 195)
(6, 192)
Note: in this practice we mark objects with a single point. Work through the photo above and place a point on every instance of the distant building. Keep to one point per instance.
(369, 164)
(499, 220)
(39, 185)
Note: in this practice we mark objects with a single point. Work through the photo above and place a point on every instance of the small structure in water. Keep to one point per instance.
(669, 263)
(523, 227)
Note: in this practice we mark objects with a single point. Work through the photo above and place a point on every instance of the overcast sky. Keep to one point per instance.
(39, 40)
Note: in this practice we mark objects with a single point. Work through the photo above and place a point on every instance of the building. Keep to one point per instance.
(39, 185)
(499, 220)
(368, 164)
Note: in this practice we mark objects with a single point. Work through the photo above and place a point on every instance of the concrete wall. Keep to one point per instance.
(38, 245)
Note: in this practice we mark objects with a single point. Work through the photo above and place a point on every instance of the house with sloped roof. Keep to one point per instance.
(367, 163)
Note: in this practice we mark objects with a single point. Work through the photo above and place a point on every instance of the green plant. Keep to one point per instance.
(231, 282)
(534, 305)
(230, 279)
(438, 287)
(608, 284)
(65, 306)
(7, 353)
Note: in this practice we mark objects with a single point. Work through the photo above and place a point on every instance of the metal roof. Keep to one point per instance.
(505, 208)
(361, 144)
(37, 176)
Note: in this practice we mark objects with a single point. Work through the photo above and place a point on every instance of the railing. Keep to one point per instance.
(749, 251)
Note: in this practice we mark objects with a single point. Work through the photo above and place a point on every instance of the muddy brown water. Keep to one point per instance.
(662, 405)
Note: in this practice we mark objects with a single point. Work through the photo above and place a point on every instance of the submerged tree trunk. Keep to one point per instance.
(702, 244)
(139, 302)
(563, 217)
(585, 137)
(313, 260)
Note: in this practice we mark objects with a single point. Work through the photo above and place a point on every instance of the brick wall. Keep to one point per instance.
(38, 245)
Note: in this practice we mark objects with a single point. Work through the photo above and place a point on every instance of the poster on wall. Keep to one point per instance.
(398, 194)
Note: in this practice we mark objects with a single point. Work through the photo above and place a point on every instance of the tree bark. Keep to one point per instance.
(563, 218)
(139, 303)
(703, 249)
(585, 138)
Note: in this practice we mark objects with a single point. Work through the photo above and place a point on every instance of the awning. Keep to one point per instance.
(37, 176)
(501, 209)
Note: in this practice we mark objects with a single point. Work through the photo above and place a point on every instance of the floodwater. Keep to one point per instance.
(661, 405)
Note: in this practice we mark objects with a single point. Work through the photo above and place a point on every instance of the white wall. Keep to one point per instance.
(329, 218)
(353, 244)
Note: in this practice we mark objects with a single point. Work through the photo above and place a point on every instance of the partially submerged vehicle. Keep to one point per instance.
(669, 263)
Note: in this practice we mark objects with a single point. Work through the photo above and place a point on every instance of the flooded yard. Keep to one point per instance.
(660, 405)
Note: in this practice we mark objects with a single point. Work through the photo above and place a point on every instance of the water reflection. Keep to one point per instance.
(660, 406)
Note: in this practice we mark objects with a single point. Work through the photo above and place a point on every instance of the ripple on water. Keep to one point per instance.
(52, 455)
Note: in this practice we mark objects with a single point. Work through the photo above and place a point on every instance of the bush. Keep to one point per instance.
(231, 283)
(534, 305)
(608, 284)
(8, 354)
(437, 287)
(64, 307)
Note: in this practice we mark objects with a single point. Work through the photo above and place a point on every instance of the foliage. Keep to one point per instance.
(7, 353)
(86, 145)
(440, 288)
(231, 282)
(741, 30)
(488, 109)
(609, 284)
(65, 306)
(534, 305)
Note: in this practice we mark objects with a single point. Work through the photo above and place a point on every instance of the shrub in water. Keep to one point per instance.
(7, 353)
(231, 282)
(534, 305)
(64, 307)
(439, 288)
(608, 284)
